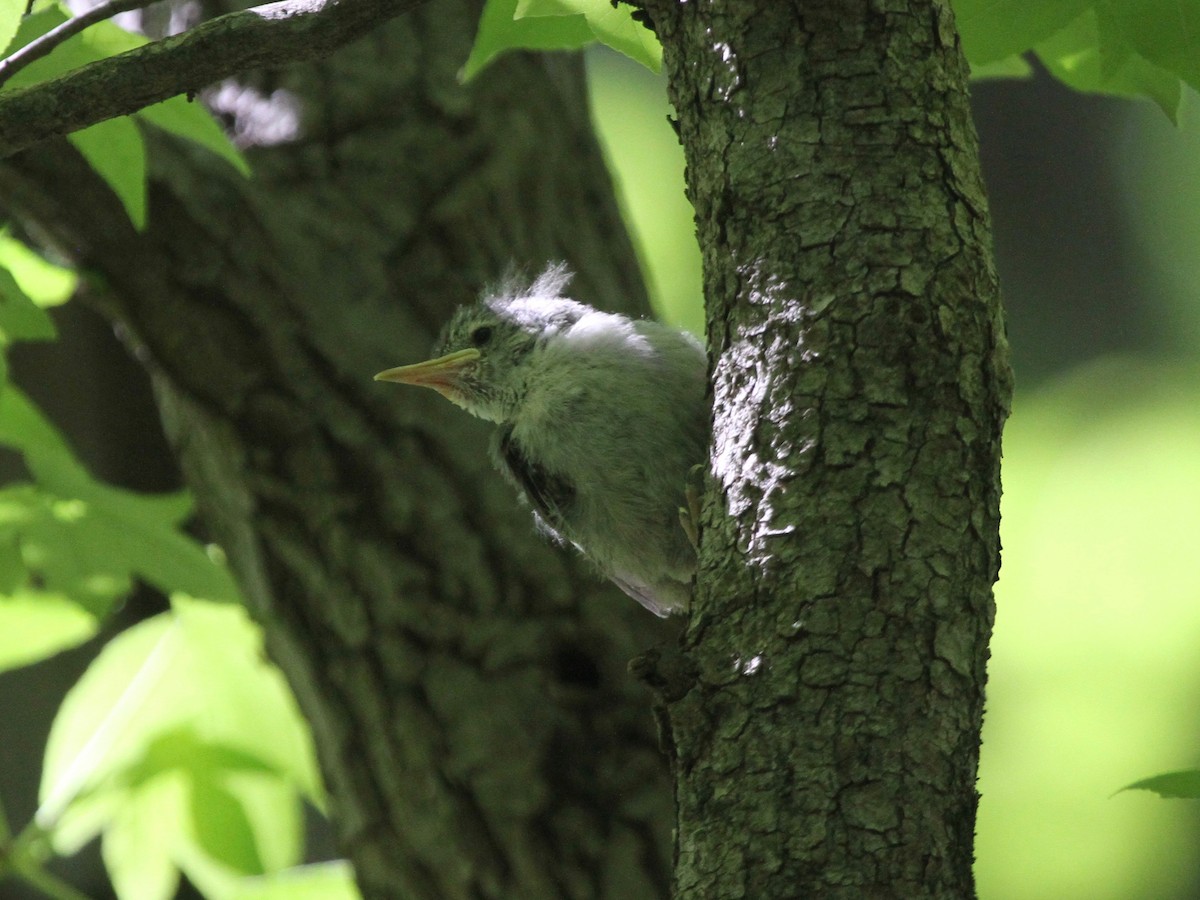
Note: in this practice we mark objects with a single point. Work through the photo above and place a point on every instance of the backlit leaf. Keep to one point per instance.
(115, 149)
(1182, 785)
(612, 25)
(500, 32)
(43, 282)
(87, 539)
(20, 318)
(992, 30)
(320, 881)
(36, 624)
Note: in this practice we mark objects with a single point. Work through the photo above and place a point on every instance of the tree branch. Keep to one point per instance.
(272, 35)
(39, 47)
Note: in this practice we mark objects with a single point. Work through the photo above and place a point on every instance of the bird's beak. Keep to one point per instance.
(443, 374)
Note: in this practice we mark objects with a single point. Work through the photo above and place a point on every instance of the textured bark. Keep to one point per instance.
(826, 730)
(466, 683)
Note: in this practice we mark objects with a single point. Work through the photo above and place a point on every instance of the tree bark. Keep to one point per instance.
(825, 729)
(466, 683)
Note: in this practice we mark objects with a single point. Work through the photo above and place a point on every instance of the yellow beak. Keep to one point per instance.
(442, 374)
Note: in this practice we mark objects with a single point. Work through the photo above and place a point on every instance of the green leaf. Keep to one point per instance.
(24, 428)
(62, 550)
(1166, 33)
(141, 838)
(275, 818)
(1184, 784)
(10, 19)
(191, 120)
(20, 318)
(1126, 48)
(500, 32)
(182, 748)
(102, 729)
(235, 816)
(1090, 55)
(87, 539)
(35, 625)
(184, 692)
(992, 30)
(320, 881)
(612, 26)
(1010, 67)
(223, 830)
(55, 552)
(43, 282)
(115, 149)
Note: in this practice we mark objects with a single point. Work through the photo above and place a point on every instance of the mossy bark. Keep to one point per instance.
(825, 729)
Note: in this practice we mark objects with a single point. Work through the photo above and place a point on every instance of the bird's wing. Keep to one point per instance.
(643, 594)
(549, 493)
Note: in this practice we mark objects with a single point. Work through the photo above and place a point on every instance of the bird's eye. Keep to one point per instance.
(481, 335)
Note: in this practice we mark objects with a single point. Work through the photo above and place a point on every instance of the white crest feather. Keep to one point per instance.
(515, 285)
(552, 282)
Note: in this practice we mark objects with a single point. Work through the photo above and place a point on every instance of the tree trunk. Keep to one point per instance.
(825, 729)
(466, 683)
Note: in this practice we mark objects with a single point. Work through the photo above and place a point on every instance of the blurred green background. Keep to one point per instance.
(1095, 669)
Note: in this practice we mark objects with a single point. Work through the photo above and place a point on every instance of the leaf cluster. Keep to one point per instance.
(1125, 48)
(180, 746)
(185, 750)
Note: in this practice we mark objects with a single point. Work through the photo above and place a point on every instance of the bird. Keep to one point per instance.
(602, 420)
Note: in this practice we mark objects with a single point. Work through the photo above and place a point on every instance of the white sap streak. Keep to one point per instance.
(750, 471)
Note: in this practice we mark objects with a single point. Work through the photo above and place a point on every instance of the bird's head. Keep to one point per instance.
(482, 359)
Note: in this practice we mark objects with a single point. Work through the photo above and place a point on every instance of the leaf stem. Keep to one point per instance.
(50, 885)
(21, 858)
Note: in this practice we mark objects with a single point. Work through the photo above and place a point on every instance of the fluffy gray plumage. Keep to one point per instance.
(601, 417)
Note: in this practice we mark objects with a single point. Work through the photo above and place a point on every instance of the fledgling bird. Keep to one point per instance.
(601, 418)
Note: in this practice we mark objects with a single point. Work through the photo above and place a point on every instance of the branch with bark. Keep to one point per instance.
(275, 34)
(40, 47)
